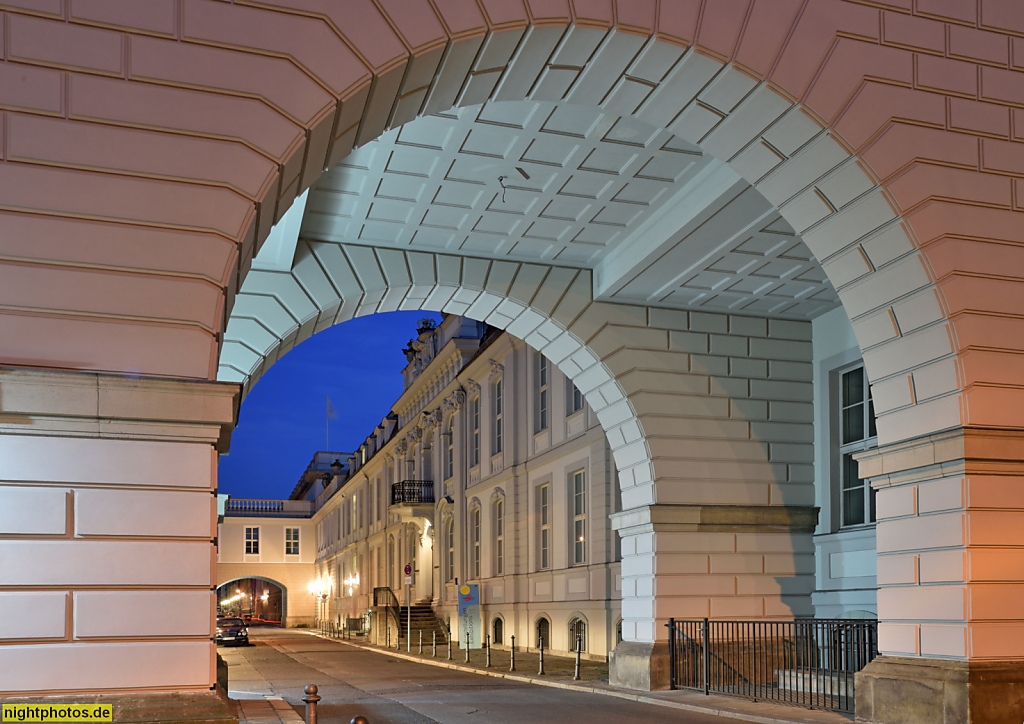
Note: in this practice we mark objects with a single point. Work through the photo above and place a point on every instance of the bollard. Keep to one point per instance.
(512, 664)
(540, 647)
(359, 720)
(579, 645)
(467, 647)
(449, 642)
(388, 639)
(421, 642)
(487, 644)
(311, 699)
(433, 644)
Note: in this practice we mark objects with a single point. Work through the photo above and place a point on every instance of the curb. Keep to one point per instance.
(585, 688)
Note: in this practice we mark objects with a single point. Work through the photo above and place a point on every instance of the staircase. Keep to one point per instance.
(423, 619)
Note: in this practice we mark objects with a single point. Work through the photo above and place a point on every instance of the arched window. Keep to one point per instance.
(391, 561)
(449, 550)
(499, 537)
(499, 403)
(577, 632)
(498, 631)
(474, 435)
(449, 450)
(544, 632)
(474, 535)
(541, 401)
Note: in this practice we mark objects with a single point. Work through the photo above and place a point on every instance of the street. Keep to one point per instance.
(389, 690)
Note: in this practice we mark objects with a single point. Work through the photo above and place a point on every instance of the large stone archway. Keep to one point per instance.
(146, 159)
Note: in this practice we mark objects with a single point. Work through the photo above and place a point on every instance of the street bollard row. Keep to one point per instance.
(487, 650)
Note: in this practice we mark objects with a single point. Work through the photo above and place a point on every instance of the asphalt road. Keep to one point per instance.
(387, 690)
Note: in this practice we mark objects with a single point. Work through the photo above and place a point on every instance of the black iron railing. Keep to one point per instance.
(412, 491)
(806, 662)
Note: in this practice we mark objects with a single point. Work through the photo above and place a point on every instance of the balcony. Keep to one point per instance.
(413, 492)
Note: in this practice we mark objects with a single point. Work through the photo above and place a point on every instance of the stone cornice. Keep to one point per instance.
(955, 451)
(85, 404)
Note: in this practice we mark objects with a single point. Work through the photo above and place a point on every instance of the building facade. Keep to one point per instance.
(272, 541)
(490, 470)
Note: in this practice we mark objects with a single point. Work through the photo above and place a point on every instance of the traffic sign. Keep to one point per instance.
(408, 569)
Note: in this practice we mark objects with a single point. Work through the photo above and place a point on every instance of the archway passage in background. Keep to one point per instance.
(214, 154)
(262, 601)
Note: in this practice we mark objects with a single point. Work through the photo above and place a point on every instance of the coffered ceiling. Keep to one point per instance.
(658, 221)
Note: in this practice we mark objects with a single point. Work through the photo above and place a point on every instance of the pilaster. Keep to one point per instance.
(697, 561)
(107, 533)
(950, 510)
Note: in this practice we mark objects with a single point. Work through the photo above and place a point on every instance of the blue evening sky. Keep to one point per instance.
(281, 423)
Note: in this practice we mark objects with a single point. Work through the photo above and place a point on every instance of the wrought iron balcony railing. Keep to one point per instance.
(412, 491)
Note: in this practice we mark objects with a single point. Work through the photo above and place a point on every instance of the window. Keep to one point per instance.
(355, 512)
(543, 633)
(856, 433)
(577, 633)
(575, 400)
(499, 537)
(252, 540)
(544, 506)
(291, 541)
(449, 550)
(542, 393)
(474, 532)
(499, 401)
(474, 421)
(579, 517)
(449, 451)
(498, 632)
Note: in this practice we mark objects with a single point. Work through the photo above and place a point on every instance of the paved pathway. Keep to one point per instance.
(389, 688)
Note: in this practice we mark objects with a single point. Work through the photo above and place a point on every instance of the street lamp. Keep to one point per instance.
(320, 590)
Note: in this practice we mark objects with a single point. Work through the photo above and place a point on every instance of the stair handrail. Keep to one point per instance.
(384, 597)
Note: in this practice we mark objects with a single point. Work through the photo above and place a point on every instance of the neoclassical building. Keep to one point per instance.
(490, 469)
(667, 199)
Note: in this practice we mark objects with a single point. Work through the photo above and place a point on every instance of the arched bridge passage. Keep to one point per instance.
(807, 171)
(684, 433)
(834, 57)
(645, 371)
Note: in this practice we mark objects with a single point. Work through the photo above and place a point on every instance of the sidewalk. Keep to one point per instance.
(271, 710)
(558, 672)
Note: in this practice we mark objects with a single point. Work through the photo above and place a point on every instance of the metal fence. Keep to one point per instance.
(805, 662)
(412, 491)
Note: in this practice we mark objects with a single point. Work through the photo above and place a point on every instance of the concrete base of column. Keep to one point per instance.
(901, 690)
(639, 665)
(183, 707)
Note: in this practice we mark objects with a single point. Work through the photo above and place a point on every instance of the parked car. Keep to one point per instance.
(232, 630)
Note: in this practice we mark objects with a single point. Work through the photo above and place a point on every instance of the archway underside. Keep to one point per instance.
(665, 68)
